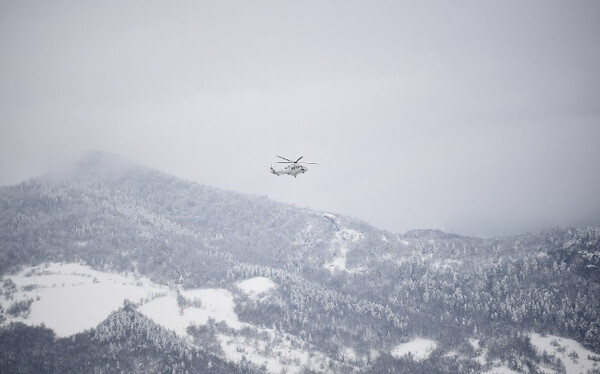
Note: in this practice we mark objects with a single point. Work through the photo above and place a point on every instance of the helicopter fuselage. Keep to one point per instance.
(292, 170)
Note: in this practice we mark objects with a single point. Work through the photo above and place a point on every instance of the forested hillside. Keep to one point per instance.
(348, 292)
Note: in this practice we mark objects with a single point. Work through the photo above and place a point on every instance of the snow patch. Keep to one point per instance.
(419, 349)
(165, 312)
(217, 303)
(446, 264)
(277, 352)
(332, 218)
(475, 343)
(500, 369)
(256, 288)
(349, 234)
(339, 249)
(204, 304)
(573, 355)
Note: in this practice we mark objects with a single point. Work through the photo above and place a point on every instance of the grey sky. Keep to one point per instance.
(478, 117)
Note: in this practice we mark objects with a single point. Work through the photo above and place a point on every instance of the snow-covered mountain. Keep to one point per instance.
(148, 273)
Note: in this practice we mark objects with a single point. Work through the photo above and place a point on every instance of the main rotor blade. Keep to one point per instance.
(288, 161)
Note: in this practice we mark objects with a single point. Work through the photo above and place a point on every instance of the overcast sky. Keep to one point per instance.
(475, 117)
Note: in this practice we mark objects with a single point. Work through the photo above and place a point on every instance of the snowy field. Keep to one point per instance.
(215, 304)
(71, 298)
(277, 352)
(573, 355)
(418, 349)
(500, 369)
(257, 288)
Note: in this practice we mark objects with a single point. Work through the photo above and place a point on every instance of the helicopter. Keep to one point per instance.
(294, 168)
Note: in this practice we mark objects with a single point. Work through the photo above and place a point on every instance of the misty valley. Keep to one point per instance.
(114, 267)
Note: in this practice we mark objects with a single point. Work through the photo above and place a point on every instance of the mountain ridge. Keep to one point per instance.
(344, 288)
